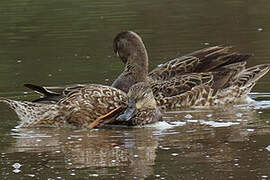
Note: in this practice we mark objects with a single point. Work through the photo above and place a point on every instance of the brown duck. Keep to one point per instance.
(208, 77)
(86, 107)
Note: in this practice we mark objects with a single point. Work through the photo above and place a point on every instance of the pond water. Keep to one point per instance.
(63, 42)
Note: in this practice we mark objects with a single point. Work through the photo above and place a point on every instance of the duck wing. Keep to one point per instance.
(180, 84)
(83, 106)
(204, 60)
(224, 87)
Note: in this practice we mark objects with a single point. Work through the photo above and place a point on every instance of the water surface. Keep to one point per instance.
(63, 42)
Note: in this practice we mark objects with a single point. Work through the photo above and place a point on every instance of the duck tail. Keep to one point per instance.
(5, 100)
(31, 113)
(251, 75)
(48, 95)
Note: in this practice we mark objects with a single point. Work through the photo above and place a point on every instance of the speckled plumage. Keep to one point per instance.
(207, 77)
(211, 76)
(207, 89)
(80, 108)
(142, 106)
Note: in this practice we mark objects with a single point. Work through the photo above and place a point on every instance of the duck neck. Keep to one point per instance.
(137, 65)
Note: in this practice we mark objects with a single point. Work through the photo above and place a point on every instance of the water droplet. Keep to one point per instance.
(159, 65)
(206, 43)
(165, 148)
(239, 115)
(16, 170)
(188, 116)
(16, 165)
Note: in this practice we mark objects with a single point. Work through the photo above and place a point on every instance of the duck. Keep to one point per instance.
(141, 107)
(208, 77)
(89, 107)
(129, 46)
(211, 76)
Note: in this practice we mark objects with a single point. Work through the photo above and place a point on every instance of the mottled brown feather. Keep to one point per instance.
(80, 108)
(199, 78)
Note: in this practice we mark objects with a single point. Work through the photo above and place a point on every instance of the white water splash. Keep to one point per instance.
(218, 124)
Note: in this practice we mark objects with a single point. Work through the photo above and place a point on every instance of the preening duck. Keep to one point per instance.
(83, 107)
(207, 77)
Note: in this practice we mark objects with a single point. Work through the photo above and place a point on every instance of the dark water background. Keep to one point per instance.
(62, 42)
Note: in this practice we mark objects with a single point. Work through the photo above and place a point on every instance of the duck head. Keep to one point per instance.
(130, 48)
(142, 106)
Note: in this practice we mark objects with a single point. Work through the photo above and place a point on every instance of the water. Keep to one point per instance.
(63, 42)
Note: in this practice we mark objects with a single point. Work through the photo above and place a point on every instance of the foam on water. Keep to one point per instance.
(162, 125)
(218, 124)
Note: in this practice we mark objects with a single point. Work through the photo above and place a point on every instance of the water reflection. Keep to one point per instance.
(132, 150)
(62, 42)
(200, 136)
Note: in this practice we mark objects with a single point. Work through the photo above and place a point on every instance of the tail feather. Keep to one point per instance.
(40, 89)
(251, 75)
(7, 101)
(33, 114)
(48, 96)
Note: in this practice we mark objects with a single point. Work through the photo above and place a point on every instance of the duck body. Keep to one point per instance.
(207, 77)
(212, 76)
(217, 88)
(80, 108)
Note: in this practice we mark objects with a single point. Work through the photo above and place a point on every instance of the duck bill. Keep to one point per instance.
(130, 112)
